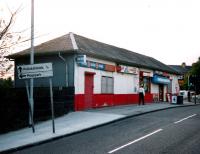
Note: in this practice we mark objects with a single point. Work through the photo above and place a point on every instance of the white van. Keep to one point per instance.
(183, 93)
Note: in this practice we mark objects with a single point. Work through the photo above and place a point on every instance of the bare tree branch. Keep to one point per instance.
(8, 40)
(6, 27)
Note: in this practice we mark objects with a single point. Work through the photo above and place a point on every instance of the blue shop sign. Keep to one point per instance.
(81, 60)
(101, 66)
(90, 64)
(160, 80)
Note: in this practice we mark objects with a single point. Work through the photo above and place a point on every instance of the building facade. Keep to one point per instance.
(100, 74)
(183, 70)
(100, 83)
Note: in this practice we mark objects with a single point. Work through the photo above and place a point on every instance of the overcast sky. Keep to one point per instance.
(168, 30)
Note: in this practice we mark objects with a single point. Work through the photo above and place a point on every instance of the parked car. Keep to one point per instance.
(183, 93)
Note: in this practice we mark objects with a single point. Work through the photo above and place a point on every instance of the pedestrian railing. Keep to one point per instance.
(197, 99)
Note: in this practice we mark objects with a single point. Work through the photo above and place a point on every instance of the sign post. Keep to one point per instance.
(37, 71)
(52, 106)
(30, 108)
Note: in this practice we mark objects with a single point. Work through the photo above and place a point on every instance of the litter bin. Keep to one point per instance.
(174, 99)
(179, 99)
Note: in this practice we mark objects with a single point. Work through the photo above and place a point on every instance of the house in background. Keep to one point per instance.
(98, 74)
(183, 70)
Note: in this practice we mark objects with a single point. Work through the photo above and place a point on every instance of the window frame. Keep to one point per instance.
(106, 84)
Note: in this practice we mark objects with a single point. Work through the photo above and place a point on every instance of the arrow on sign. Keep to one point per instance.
(21, 76)
(20, 69)
(35, 71)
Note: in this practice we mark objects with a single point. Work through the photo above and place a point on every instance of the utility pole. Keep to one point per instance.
(32, 62)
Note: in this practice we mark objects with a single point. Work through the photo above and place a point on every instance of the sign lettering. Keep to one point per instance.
(35, 71)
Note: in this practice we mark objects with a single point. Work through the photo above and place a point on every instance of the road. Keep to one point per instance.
(169, 131)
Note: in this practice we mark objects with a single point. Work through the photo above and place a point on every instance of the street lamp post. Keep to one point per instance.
(32, 62)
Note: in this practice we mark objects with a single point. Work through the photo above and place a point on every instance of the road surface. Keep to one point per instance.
(170, 131)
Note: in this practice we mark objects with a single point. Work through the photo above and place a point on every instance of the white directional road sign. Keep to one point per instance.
(35, 71)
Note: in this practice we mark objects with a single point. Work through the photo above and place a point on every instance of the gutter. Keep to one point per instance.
(66, 68)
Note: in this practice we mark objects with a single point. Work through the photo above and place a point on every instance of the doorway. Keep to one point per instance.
(89, 86)
(161, 92)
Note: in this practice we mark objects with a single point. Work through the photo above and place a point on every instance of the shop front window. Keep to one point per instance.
(145, 81)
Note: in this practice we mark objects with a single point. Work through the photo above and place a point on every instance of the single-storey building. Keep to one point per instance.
(183, 70)
(99, 74)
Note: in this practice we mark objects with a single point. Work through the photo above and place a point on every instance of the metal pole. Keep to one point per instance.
(32, 33)
(32, 57)
(29, 105)
(52, 106)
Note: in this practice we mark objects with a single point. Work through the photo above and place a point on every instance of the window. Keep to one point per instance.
(107, 85)
(146, 84)
(145, 81)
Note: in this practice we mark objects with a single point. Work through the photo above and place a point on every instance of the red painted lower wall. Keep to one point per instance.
(101, 100)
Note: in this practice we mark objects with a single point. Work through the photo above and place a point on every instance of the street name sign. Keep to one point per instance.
(35, 71)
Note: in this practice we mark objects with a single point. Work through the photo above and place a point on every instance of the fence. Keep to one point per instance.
(14, 106)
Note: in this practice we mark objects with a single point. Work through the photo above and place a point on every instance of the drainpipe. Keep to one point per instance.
(66, 68)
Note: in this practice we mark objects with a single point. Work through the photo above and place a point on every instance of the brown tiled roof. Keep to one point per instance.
(119, 55)
(97, 49)
(59, 44)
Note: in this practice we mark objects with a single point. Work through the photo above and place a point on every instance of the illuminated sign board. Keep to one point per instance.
(128, 69)
(160, 80)
(148, 74)
(81, 59)
(96, 65)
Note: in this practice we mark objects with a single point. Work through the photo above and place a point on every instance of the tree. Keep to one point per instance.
(5, 84)
(8, 39)
(196, 68)
(195, 76)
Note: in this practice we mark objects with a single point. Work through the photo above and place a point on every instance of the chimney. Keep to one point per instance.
(183, 64)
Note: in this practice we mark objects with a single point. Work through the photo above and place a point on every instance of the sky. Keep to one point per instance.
(167, 30)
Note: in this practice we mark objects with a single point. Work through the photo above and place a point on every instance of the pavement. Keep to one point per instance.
(75, 122)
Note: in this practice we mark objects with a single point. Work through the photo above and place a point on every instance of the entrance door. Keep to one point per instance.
(161, 93)
(89, 85)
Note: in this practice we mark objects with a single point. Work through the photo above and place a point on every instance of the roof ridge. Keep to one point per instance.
(73, 40)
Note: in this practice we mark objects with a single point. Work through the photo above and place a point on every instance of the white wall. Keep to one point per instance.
(175, 85)
(123, 83)
(154, 88)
